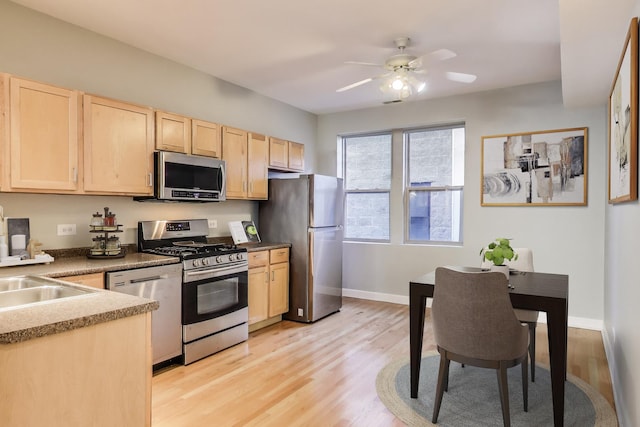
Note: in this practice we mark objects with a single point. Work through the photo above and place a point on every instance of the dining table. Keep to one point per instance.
(536, 291)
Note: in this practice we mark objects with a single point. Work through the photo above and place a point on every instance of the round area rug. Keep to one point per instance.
(473, 398)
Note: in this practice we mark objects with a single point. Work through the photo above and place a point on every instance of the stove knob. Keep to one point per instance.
(196, 263)
(205, 261)
(218, 259)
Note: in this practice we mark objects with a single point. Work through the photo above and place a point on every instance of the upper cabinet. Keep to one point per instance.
(257, 171)
(286, 155)
(234, 153)
(118, 147)
(185, 135)
(173, 132)
(41, 150)
(246, 157)
(205, 139)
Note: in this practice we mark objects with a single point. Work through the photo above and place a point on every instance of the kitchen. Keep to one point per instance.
(195, 94)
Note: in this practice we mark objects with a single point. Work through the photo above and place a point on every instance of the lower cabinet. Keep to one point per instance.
(99, 375)
(95, 280)
(268, 285)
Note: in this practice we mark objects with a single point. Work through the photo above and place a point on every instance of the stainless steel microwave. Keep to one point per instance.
(184, 177)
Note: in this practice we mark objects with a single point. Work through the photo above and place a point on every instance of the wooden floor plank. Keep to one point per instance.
(321, 374)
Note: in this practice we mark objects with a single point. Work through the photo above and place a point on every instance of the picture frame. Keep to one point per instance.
(541, 168)
(623, 123)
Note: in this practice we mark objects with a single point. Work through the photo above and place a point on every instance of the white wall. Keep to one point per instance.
(35, 46)
(567, 240)
(622, 295)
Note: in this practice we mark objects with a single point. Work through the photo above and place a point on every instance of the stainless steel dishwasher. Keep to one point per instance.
(163, 284)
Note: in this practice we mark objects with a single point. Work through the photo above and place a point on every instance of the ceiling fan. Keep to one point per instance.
(402, 77)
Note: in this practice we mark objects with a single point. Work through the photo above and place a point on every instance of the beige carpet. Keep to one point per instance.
(472, 399)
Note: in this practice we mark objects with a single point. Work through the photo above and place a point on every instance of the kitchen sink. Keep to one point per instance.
(27, 290)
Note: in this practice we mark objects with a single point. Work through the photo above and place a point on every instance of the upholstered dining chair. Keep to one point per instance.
(524, 263)
(474, 324)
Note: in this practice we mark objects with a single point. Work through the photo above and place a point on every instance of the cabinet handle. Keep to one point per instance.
(150, 179)
(266, 276)
(273, 276)
(75, 174)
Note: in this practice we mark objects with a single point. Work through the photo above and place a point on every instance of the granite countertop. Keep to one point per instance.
(263, 246)
(72, 266)
(24, 323)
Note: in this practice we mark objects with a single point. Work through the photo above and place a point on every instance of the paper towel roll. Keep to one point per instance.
(18, 244)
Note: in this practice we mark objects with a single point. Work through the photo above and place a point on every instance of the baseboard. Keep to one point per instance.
(574, 322)
(609, 344)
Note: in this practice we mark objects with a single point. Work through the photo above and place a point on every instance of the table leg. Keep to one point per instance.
(557, 332)
(417, 305)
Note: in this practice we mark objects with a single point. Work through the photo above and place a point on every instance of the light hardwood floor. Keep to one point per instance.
(322, 374)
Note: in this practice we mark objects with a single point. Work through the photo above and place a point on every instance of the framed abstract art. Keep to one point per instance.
(542, 168)
(623, 123)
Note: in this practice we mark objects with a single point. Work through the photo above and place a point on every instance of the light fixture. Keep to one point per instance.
(401, 84)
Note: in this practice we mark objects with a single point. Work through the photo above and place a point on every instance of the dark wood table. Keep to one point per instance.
(533, 291)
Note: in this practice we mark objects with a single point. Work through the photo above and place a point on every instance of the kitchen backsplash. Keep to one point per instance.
(46, 211)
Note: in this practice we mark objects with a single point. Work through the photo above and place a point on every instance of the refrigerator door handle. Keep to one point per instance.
(311, 256)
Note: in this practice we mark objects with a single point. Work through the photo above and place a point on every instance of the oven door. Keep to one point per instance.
(208, 293)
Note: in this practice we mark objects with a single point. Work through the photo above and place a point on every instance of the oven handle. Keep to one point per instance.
(217, 271)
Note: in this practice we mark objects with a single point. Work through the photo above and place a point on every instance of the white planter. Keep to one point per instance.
(504, 269)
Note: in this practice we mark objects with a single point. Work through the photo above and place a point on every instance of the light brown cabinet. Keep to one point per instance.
(268, 284)
(286, 155)
(185, 135)
(95, 280)
(173, 132)
(246, 157)
(257, 171)
(279, 281)
(41, 150)
(205, 139)
(118, 147)
(95, 375)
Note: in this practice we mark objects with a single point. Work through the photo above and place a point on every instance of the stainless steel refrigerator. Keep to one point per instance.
(307, 212)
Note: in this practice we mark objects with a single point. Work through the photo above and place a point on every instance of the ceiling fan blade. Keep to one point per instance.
(368, 64)
(461, 77)
(437, 55)
(361, 82)
(356, 84)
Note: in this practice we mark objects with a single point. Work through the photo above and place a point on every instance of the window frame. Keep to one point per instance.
(407, 188)
(344, 139)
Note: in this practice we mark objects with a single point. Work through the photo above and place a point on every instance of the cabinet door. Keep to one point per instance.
(234, 152)
(205, 139)
(296, 156)
(43, 145)
(278, 153)
(279, 289)
(95, 280)
(258, 158)
(258, 294)
(173, 132)
(118, 147)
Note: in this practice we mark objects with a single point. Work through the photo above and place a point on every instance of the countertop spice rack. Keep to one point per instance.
(105, 246)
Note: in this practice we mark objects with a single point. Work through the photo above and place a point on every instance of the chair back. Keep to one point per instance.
(473, 316)
(523, 263)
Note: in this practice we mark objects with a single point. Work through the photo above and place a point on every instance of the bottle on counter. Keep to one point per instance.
(4, 249)
(96, 221)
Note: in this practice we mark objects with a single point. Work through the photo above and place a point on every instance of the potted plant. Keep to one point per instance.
(497, 252)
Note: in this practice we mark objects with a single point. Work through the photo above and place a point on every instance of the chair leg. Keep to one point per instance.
(532, 350)
(443, 374)
(525, 383)
(504, 394)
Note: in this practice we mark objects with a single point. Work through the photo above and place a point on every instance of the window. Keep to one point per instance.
(434, 180)
(367, 184)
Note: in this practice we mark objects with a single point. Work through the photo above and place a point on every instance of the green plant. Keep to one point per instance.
(499, 250)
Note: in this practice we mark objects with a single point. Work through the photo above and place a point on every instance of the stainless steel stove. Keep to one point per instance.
(214, 284)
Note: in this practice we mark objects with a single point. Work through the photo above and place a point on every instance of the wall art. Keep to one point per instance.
(623, 123)
(543, 168)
